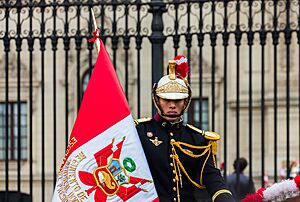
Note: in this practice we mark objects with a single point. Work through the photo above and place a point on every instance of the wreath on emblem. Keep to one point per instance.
(129, 164)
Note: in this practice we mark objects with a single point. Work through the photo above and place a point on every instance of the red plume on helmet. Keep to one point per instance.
(182, 67)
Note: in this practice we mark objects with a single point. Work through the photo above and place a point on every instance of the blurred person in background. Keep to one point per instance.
(242, 186)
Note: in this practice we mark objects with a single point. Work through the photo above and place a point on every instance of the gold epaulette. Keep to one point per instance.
(209, 135)
(212, 137)
(142, 120)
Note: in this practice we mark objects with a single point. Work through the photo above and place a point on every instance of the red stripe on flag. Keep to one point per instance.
(156, 200)
(103, 105)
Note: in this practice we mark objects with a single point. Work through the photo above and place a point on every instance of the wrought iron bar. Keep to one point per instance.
(238, 37)
(200, 38)
(42, 49)
(263, 37)
(115, 38)
(176, 37)
(126, 48)
(66, 41)
(30, 48)
(225, 37)
(250, 37)
(288, 36)
(18, 49)
(138, 49)
(275, 37)
(213, 39)
(78, 42)
(54, 49)
(188, 37)
(6, 41)
(157, 39)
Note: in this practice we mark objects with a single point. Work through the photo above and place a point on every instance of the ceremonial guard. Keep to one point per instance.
(181, 157)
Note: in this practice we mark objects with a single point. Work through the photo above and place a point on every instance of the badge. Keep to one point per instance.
(149, 134)
(156, 142)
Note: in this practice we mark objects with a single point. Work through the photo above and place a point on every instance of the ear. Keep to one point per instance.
(186, 100)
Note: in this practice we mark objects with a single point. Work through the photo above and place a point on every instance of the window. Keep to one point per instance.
(85, 80)
(13, 131)
(193, 114)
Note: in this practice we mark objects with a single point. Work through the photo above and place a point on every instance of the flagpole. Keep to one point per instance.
(97, 41)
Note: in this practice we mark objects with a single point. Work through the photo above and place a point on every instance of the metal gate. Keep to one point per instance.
(244, 73)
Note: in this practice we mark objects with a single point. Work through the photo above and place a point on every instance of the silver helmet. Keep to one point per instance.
(174, 85)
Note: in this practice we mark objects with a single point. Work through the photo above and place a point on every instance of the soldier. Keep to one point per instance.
(181, 157)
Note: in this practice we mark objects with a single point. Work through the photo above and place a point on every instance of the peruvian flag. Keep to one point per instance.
(104, 160)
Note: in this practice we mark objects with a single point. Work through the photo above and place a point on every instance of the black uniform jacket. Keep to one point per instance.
(156, 136)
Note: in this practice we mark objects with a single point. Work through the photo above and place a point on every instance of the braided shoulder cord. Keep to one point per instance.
(178, 165)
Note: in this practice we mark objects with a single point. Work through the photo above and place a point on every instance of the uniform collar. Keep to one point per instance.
(167, 124)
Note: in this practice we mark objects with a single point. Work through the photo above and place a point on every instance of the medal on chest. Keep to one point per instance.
(155, 141)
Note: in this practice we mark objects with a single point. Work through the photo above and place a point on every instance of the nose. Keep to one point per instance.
(172, 104)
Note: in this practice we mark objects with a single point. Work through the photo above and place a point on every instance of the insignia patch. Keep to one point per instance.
(156, 142)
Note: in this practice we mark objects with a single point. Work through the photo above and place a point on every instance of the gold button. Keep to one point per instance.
(172, 140)
(174, 188)
(174, 199)
(171, 164)
(171, 134)
(174, 180)
(174, 171)
(171, 156)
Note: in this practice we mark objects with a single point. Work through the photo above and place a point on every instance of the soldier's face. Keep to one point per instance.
(172, 108)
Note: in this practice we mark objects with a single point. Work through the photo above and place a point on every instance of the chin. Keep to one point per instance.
(171, 119)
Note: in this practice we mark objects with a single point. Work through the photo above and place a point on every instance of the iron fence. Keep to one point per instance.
(243, 58)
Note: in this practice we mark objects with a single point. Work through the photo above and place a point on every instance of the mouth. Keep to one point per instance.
(172, 114)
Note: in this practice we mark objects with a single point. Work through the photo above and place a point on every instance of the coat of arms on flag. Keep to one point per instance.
(111, 176)
(104, 160)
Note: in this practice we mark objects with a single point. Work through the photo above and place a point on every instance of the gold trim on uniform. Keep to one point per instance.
(222, 191)
(195, 129)
(212, 138)
(172, 87)
(207, 134)
(142, 120)
(211, 135)
(178, 166)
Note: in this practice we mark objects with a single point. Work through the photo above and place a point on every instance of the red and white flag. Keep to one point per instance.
(104, 160)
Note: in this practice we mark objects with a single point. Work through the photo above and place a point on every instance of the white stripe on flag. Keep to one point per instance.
(70, 187)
